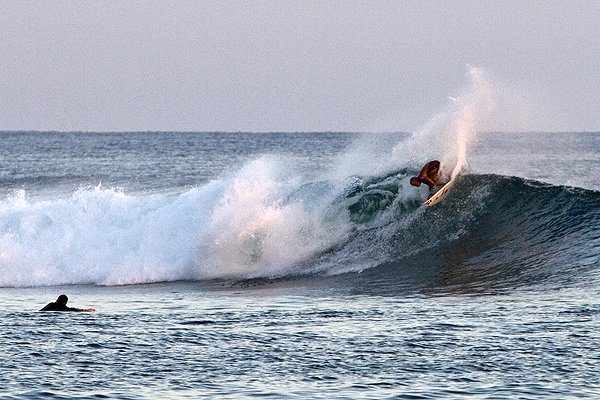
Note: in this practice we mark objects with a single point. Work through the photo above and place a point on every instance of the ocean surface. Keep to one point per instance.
(299, 265)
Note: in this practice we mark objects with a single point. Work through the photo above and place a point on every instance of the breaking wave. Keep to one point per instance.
(361, 220)
(490, 228)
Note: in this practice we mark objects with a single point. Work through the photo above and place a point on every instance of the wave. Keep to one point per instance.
(361, 220)
(491, 231)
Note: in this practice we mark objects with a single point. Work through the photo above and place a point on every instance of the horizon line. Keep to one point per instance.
(3, 131)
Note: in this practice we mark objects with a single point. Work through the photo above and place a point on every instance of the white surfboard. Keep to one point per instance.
(440, 194)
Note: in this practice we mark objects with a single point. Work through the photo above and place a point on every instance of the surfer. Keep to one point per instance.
(61, 305)
(429, 175)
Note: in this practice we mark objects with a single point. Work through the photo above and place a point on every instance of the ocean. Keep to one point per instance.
(299, 265)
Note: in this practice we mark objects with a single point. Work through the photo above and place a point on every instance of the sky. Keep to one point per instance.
(294, 65)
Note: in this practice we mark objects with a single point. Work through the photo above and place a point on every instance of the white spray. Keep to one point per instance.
(253, 231)
(252, 224)
(449, 134)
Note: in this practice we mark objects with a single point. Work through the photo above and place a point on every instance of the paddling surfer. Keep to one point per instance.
(430, 175)
(61, 305)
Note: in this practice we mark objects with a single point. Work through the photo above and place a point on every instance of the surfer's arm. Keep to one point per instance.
(80, 309)
(428, 181)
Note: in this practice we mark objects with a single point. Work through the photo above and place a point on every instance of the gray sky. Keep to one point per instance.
(293, 65)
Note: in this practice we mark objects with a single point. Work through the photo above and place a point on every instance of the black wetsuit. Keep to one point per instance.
(59, 307)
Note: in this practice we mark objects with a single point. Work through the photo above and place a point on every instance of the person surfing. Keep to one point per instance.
(430, 175)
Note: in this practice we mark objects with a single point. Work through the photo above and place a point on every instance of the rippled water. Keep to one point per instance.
(493, 294)
(186, 340)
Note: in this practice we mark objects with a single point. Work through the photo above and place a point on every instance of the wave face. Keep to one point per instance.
(490, 232)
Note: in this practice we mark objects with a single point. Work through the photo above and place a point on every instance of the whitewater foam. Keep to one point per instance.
(254, 232)
(100, 236)
(241, 226)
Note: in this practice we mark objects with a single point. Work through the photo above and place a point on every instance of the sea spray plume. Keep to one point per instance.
(448, 135)
(252, 233)
(258, 228)
(368, 155)
(472, 109)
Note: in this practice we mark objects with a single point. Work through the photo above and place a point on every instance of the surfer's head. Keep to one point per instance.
(62, 299)
(415, 181)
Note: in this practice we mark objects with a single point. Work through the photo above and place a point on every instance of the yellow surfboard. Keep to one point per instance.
(440, 194)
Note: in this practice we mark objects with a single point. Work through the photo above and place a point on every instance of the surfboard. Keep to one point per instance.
(440, 194)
